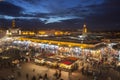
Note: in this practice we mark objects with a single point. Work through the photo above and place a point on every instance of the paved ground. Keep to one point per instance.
(39, 70)
(28, 68)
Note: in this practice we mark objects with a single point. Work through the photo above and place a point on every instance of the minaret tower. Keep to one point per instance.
(84, 31)
(13, 23)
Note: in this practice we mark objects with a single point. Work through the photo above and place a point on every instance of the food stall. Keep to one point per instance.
(68, 64)
(51, 62)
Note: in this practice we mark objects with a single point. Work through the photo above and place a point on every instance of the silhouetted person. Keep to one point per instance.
(19, 74)
(56, 74)
(45, 76)
(33, 70)
(59, 75)
(12, 70)
(40, 77)
(27, 76)
(33, 78)
(82, 70)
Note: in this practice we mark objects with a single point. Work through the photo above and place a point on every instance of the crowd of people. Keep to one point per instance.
(56, 76)
(96, 72)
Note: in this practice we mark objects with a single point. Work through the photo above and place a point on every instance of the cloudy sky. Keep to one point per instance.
(68, 14)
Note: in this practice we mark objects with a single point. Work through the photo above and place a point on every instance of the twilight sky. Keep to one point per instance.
(69, 14)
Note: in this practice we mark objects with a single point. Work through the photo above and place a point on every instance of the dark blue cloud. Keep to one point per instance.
(56, 10)
(97, 13)
(106, 15)
(7, 8)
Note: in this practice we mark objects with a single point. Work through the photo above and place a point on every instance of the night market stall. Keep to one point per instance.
(69, 64)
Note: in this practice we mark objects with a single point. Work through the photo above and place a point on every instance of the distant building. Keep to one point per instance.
(52, 33)
(2, 32)
(84, 33)
(28, 33)
(13, 31)
(84, 30)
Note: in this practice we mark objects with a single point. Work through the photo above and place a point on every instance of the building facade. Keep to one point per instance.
(13, 31)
